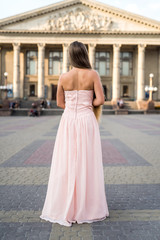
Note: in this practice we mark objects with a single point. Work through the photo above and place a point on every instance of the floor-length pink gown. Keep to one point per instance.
(76, 191)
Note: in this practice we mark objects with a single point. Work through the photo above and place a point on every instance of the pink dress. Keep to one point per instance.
(76, 191)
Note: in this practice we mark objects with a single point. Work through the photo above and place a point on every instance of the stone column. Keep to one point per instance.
(141, 72)
(65, 57)
(16, 70)
(1, 79)
(41, 52)
(158, 76)
(116, 73)
(135, 73)
(91, 48)
(22, 75)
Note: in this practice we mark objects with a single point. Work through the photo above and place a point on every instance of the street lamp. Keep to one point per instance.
(5, 75)
(151, 75)
(5, 83)
(151, 89)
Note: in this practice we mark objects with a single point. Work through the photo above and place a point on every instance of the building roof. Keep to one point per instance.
(90, 17)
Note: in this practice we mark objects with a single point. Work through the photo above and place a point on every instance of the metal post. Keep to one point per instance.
(151, 75)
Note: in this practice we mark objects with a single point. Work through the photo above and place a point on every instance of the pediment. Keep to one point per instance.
(79, 16)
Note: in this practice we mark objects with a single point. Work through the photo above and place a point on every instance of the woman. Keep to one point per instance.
(76, 190)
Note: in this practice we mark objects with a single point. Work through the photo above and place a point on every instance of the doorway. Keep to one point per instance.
(54, 91)
(105, 91)
(32, 90)
(125, 91)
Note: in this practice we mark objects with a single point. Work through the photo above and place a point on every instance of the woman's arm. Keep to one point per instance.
(98, 89)
(60, 94)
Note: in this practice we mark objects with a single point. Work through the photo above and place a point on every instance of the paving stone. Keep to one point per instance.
(76, 238)
(27, 197)
(119, 197)
(131, 157)
(38, 153)
(24, 231)
(135, 230)
(136, 196)
(130, 148)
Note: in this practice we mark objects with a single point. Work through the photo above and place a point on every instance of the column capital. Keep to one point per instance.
(117, 46)
(66, 45)
(16, 45)
(92, 45)
(142, 46)
(41, 45)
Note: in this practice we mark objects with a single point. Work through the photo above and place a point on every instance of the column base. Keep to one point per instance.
(150, 105)
(141, 104)
(114, 103)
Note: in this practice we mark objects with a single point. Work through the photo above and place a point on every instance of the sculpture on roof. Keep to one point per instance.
(79, 20)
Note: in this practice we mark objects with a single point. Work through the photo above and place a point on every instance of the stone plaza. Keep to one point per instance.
(123, 47)
(131, 161)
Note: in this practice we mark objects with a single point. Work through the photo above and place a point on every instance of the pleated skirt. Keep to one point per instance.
(76, 190)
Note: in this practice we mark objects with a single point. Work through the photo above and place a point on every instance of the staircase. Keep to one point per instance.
(107, 108)
(130, 105)
(28, 103)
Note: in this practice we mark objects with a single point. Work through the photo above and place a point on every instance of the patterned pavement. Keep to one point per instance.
(131, 160)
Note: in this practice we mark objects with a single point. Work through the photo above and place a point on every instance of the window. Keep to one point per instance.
(32, 65)
(55, 62)
(126, 63)
(103, 63)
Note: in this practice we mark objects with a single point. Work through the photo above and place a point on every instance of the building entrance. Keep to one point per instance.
(105, 91)
(125, 91)
(54, 91)
(32, 90)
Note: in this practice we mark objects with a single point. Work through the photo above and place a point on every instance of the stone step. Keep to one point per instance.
(108, 111)
(45, 112)
(130, 105)
(107, 105)
(55, 111)
(28, 104)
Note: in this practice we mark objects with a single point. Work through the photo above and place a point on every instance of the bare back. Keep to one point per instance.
(78, 79)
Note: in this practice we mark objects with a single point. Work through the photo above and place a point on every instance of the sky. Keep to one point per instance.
(148, 8)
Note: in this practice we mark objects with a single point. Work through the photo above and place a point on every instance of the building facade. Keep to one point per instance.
(123, 47)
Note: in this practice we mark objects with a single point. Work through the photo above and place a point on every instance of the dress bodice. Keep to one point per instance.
(78, 102)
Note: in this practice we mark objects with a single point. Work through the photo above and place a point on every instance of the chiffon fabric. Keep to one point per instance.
(76, 191)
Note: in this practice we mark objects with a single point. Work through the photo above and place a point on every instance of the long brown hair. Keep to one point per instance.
(78, 55)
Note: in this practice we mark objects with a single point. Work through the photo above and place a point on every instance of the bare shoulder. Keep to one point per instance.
(62, 76)
(95, 75)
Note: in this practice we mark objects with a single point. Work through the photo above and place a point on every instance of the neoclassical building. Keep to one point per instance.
(123, 47)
